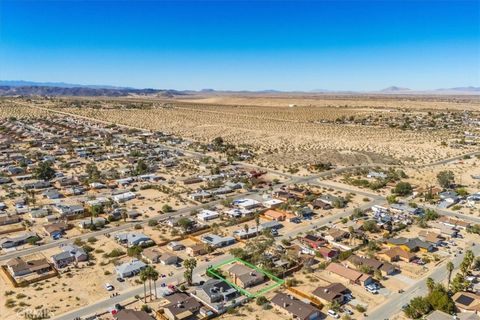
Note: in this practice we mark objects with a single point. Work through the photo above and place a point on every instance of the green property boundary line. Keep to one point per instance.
(278, 282)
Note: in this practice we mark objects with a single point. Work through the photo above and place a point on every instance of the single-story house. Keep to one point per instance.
(18, 240)
(18, 267)
(275, 215)
(39, 213)
(313, 241)
(244, 276)
(133, 239)
(331, 200)
(206, 215)
(396, 254)
(353, 276)
(66, 210)
(284, 195)
(69, 254)
(410, 245)
(55, 229)
(124, 197)
(217, 241)
(336, 235)
(432, 237)
(200, 195)
(295, 308)
(272, 203)
(246, 203)
(151, 255)
(331, 293)
(181, 306)
(9, 219)
(128, 314)
(196, 250)
(318, 204)
(216, 291)
(175, 246)
(52, 194)
(129, 269)
(97, 221)
(453, 222)
(168, 258)
(327, 253)
(357, 262)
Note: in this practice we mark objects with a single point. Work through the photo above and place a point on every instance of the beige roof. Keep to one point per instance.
(18, 264)
(167, 256)
(345, 272)
(274, 214)
(127, 314)
(397, 251)
(151, 254)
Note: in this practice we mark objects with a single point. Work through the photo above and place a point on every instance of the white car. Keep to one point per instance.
(371, 290)
(333, 314)
(109, 287)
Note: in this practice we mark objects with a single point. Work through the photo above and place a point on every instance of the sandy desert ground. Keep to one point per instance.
(284, 136)
(331, 100)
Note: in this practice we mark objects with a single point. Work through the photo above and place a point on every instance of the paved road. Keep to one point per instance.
(456, 214)
(395, 302)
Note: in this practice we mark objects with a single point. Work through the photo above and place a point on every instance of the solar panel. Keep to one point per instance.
(465, 300)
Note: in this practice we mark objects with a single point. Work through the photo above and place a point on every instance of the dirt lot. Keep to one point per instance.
(76, 286)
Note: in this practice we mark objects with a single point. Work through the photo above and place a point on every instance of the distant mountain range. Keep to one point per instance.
(395, 89)
(464, 89)
(30, 88)
(22, 83)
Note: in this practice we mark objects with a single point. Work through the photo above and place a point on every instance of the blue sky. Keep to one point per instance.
(249, 45)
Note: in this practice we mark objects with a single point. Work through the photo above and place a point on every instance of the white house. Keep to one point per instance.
(206, 215)
(272, 203)
(124, 197)
(246, 203)
(473, 200)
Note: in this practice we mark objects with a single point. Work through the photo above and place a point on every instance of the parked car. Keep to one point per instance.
(333, 314)
(371, 290)
(109, 287)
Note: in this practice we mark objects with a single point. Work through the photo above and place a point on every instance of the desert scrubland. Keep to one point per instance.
(286, 131)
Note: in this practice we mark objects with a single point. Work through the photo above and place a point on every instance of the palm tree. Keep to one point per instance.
(450, 268)
(246, 228)
(154, 276)
(148, 272)
(469, 257)
(430, 284)
(143, 278)
(189, 265)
